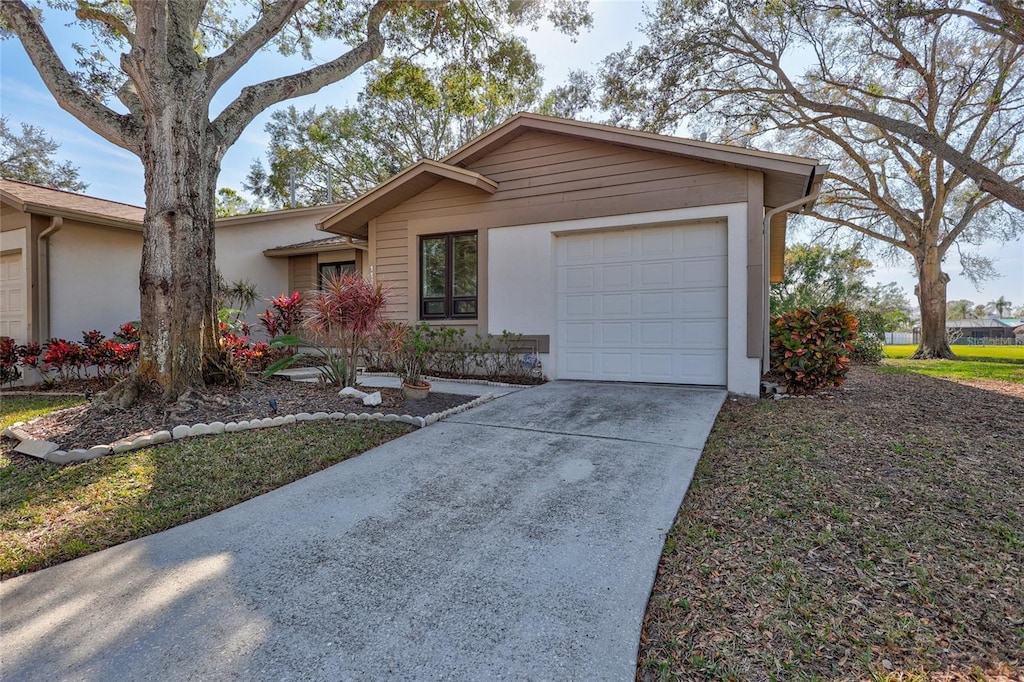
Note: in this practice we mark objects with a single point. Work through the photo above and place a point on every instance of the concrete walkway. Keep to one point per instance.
(516, 541)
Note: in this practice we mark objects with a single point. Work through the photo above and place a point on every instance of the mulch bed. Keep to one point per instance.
(98, 424)
(875, 531)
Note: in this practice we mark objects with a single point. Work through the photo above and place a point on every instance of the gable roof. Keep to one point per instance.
(787, 178)
(48, 201)
(396, 189)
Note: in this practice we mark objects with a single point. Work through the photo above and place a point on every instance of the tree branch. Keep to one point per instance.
(122, 130)
(987, 179)
(225, 65)
(255, 98)
(85, 13)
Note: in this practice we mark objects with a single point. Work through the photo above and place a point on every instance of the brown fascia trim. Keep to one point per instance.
(423, 167)
(91, 218)
(264, 216)
(727, 154)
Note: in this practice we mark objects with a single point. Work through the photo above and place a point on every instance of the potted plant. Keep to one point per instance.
(416, 345)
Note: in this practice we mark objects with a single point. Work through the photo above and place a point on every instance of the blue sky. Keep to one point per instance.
(114, 173)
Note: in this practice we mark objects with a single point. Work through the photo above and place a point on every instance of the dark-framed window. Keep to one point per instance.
(448, 276)
(335, 269)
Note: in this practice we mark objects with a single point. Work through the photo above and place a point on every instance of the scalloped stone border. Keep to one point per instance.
(182, 431)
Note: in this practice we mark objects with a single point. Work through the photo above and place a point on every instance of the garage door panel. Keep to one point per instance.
(699, 303)
(701, 241)
(616, 305)
(615, 366)
(698, 272)
(579, 306)
(576, 279)
(696, 367)
(615, 246)
(617, 277)
(699, 334)
(643, 305)
(616, 334)
(12, 297)
(580, 365)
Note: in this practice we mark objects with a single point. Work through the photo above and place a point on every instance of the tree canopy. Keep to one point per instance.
(818, 275)
(832, 80)
(406, 113)
(30, 157)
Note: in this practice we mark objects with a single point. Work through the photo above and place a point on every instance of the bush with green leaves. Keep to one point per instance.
(811, 349)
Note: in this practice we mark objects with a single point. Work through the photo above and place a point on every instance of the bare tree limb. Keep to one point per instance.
(220, 68)
(122, 130)
(255, 98)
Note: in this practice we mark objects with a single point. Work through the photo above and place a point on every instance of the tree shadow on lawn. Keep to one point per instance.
(875, 534)
(50, 514)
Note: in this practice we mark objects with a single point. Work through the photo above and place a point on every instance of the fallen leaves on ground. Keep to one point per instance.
(875, 532)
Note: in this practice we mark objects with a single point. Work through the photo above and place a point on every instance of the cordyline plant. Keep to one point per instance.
(283, 316)
(343, 315)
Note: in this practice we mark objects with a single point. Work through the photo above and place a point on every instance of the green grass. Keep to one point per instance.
(22, 408)
(959, 370)
(50, 514)
(977, 353)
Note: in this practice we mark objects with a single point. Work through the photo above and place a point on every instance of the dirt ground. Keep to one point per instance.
(94, 424)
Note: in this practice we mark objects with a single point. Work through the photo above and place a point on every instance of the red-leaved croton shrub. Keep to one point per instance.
(67, 358)
(810, 349)
(9, 372)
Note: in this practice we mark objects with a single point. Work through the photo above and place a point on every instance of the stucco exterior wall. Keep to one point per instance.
(240, 253)
(521, 267)
(94, 279)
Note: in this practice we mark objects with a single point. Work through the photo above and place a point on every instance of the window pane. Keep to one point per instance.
(433, 308)
(433, 267)
(465, 308)
(464, 266)
(336, 269)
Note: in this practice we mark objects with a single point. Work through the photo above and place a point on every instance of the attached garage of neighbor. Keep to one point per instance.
(12, 296)
(621, 255)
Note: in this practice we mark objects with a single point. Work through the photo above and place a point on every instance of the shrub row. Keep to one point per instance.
(60, 359)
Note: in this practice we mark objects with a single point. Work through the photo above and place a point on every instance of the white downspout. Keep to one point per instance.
(767, 235)
(43, 251)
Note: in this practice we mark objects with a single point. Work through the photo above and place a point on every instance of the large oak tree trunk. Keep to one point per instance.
(931, 297)
(178, 278)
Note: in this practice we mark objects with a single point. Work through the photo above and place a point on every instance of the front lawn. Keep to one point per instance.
(875, 535)
(977, 353)
(21, 408)
(50, 514)
(960, 370)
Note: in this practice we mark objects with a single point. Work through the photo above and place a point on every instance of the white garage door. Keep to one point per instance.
(644, 305)
(12, 297)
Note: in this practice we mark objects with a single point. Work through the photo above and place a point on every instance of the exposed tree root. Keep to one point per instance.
(929, 353)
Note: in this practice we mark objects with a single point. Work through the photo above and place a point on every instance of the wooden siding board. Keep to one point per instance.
(610, 164)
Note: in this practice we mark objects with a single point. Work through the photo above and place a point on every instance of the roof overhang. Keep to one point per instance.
(70, 214)
(307, 248)
(352, 219)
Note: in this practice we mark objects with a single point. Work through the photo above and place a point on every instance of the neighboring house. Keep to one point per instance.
(981, 329)
(70, 262)
(624, 256)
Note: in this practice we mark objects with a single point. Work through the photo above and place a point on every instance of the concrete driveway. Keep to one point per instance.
(516, 541)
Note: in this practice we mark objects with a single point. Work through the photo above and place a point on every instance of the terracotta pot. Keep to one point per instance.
(411, 392)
